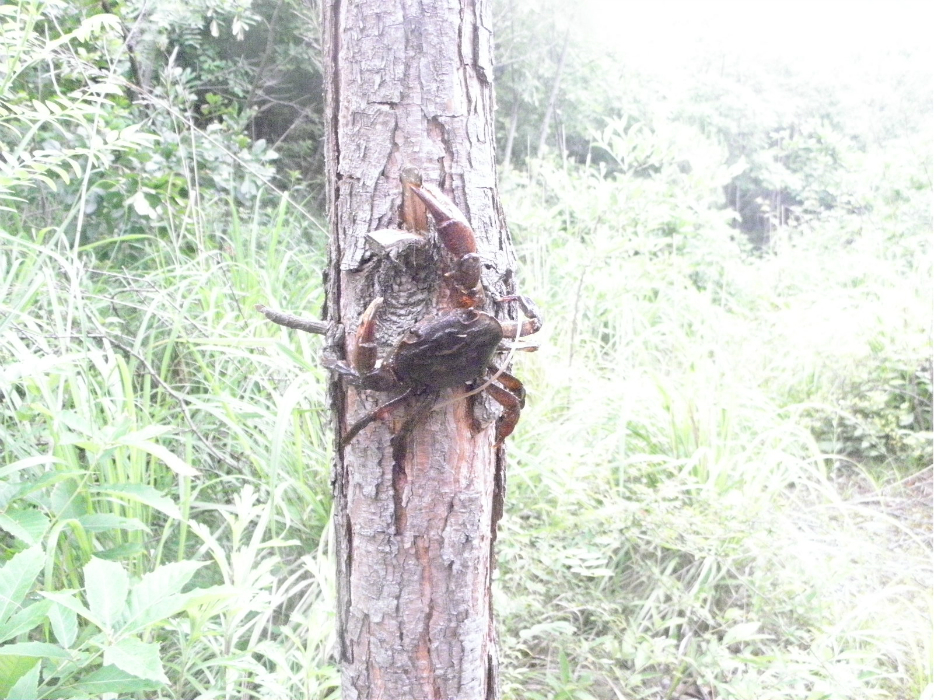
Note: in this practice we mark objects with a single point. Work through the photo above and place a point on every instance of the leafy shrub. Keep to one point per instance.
(883, 417)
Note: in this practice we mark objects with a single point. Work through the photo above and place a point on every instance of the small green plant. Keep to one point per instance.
(110, 655)
(883, 417)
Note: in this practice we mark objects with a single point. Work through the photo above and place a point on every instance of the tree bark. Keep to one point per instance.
(408, 85)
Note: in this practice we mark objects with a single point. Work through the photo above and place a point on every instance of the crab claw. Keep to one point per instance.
(364, 358)
(465, 282)
(453, 229)
(457, 236)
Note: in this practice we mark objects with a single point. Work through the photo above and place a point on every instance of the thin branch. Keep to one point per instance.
(513, 123)
(549, 110)
(309, 325)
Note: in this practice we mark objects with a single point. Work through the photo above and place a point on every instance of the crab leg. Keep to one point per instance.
(381, 413)
(511, 382)
(512, 401)
(365, 354)
(519, 329)
(512, 407)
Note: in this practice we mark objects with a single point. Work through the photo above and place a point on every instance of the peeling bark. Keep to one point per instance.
(408, 85)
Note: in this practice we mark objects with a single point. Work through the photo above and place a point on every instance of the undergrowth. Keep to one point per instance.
(705, 496)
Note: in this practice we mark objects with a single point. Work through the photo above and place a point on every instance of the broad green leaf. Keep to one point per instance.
(47, 480)
(158, 594)
(17, 576)
(40, 108)
(27, 525)
(148, 432)
(68, 601)
(35, 649)
(101, 522)
(110, 679)
(64, 501)
(39, 365)
(105, 88)
(136, 657)
(61, 172)
(12, 669)
(546, 629)
(121, 552)
(106, 584)
(27, 463)
(8, 492)
(211, 594)
(25, 619)
(64, 624)
(96, 23)
(144, 494)
(79, 423)
(27, 687)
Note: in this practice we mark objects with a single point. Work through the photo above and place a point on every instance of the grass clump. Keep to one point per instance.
(150, 423)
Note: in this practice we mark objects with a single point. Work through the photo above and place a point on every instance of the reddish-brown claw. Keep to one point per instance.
(414, 214)
(458, 238)
(366, 351)
(453, 229)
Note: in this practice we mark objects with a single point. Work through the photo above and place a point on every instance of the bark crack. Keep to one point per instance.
(399, 481)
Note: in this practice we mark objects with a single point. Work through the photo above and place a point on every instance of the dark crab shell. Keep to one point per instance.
(447, 349)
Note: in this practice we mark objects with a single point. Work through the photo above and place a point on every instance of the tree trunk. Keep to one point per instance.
(408, 85)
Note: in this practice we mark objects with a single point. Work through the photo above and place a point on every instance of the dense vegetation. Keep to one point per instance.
(722, 482)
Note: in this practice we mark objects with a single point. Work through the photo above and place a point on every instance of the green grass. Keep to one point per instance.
(150, 417)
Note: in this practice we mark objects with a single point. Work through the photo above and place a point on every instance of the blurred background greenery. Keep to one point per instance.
(721, 487)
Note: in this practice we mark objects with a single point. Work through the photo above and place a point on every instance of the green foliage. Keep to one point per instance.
(140, 392)
(119, 152)
(121, 484)
(681, 516)
(672, 523)
(883, 414)
(531, 36)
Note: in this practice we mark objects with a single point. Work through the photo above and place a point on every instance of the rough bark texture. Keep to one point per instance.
(408, 85)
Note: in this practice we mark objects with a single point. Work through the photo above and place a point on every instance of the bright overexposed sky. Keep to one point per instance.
(661, 31)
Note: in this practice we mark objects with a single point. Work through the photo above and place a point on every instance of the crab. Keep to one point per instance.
(453, 347)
